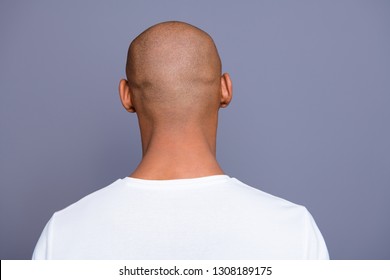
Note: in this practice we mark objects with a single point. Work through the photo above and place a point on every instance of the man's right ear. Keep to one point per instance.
(226, 90)
(125, 96)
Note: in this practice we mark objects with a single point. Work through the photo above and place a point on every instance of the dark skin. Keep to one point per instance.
(175, 86)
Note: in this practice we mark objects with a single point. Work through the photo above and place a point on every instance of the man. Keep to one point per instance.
(178, 203)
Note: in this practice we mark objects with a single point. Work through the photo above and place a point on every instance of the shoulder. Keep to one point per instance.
(289, 228)
(92, 203)
(265, 200)
(262, 211)
(269, 210)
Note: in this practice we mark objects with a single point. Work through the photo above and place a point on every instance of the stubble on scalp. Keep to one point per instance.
(174, 71)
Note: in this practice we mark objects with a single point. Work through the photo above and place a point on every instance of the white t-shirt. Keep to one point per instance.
(214, 217)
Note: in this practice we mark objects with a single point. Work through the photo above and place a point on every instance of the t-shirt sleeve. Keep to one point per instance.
(315, 244)
(42, 248)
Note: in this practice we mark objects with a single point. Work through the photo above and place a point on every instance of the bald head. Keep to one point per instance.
(174, 73)
(172, 56)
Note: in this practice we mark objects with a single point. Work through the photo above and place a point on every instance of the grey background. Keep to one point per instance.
(309, 120)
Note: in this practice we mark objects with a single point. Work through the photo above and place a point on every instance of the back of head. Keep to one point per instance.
(174, 73)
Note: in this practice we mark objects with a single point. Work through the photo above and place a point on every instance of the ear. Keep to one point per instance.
(226, 90)
(125, 96)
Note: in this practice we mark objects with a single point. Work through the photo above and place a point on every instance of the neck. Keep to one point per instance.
(187, 153)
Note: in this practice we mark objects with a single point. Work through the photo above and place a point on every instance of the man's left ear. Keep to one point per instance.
(125, 96)
(226, 90)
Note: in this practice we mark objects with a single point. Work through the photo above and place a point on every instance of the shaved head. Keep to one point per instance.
(174, 84)
(174, 73)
